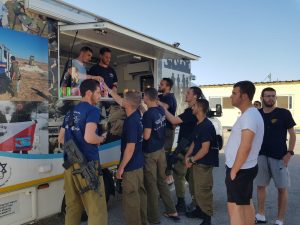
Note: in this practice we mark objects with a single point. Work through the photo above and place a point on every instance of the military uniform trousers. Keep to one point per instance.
(181, 174)
(169, 139)
(203, 185)
(134, 197)
(94, 202)
(154, 173)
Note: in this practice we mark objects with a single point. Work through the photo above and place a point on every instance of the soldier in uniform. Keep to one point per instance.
(15, 75)
(81, 127)
(154, 123)
(187, 122)
(130, 170)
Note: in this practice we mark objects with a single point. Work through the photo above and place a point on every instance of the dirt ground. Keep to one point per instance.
(33, 84)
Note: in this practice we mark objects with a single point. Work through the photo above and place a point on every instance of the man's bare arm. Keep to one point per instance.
(61, 135)
(292, 140)
(90, 135)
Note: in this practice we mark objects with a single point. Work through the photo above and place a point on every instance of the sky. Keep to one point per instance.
(236, 39)
(25, 45)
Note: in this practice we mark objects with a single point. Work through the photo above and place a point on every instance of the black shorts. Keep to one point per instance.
(239, 190)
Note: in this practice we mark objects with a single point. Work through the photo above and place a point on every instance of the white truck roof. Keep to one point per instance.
(116, 35)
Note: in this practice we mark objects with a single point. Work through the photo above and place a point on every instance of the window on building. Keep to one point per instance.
(5, 54)
(290, 102)
(213, 101)
(285, 102)
(227, 103)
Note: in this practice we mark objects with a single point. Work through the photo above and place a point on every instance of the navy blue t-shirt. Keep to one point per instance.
(205, 131)
(108, 74)
(133, 133)
(276, 123)
(83, 113)
(155, 119)
(188, 124)
(172, 103)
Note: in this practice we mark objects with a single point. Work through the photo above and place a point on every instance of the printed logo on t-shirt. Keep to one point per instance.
(111, 75)
(161, 122)
(274, 121)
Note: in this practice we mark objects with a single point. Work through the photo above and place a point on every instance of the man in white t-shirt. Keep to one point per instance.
(241, 155)
(76, 72)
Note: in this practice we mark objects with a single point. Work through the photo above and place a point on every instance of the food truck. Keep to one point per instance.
(52, 32)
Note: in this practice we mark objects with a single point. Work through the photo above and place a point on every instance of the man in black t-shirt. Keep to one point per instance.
(202, 157)
(187, 122)
(168, 99)
(104, 70)
(130, 169)
(274, 155)
(154, 123)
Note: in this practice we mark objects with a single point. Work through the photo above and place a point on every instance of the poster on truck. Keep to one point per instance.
(23, 66)
(24, 127)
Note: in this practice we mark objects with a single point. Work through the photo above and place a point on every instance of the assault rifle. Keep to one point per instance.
(87, 170)
(174, 156)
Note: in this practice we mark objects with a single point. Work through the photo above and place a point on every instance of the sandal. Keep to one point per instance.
(172, 217)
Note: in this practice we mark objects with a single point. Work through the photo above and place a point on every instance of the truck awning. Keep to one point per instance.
(122, 38)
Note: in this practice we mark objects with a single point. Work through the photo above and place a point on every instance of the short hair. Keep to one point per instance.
(88, 85)
(204, 104)
(169, 82)
(197, 91)
(13, 57)
(86, 49)
(103, 50)
(246, 87)
(134, 97)
(152, 93)
(267, 89)
(257, 102)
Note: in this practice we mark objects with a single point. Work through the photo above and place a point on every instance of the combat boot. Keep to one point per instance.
(196, 213)
(181, 206)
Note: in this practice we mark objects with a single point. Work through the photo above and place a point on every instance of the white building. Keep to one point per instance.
(288, 96)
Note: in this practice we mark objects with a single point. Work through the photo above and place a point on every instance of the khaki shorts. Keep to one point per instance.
(272, 168)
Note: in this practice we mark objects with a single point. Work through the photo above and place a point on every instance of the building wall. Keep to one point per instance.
(282, 88)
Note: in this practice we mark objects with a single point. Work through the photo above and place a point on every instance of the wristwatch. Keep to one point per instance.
(291, 152)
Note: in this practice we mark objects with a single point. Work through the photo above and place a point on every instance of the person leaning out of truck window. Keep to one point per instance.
(81, 126)
(77, 73)
(103, 69)
(130, 169)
